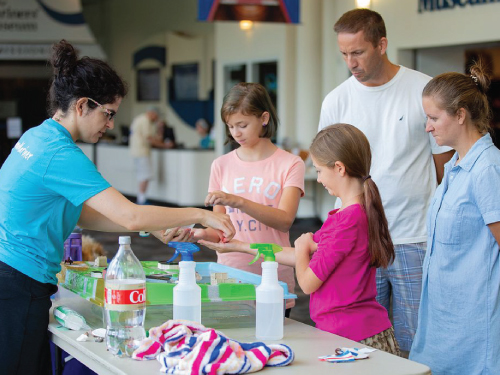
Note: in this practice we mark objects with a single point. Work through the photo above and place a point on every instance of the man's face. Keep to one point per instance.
(153, 116)
(363, 59)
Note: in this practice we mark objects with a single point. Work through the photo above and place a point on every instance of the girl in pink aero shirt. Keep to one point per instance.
(258, 184)
(337, 264)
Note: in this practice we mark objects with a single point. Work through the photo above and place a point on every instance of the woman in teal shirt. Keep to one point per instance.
(47, 186)
(459, 317)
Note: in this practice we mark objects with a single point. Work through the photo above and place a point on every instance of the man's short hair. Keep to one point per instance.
(370, 22)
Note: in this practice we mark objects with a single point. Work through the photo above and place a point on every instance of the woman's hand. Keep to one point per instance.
(228, 247)
(221, 222)
(174, 234)
(222, 199)
(306, 243)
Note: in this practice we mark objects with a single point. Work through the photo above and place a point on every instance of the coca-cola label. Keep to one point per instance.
(118, 296)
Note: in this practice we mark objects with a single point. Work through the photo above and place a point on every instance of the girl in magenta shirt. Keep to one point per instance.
(337, 264)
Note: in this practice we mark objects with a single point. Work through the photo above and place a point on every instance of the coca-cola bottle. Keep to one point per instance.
(124, 301)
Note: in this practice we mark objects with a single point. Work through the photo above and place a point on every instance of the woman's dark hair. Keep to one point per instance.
(348, 144)
(249, 99)
(456, 90)
(77, 78)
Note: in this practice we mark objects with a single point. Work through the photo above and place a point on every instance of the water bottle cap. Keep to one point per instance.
(124, 240)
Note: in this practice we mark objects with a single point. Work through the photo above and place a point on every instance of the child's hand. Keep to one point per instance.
(198, 234)
(220, 222)
(228, 247)
(183, 235)
(306, 243)
(174, 234)
(222, 199)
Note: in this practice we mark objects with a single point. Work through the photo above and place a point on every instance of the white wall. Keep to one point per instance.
(264, 42)
(434, 61)
(407, 28)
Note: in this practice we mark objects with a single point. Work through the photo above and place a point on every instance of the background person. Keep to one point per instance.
(203, 128)
(141, 139)
(460, 305)
(47, 186)
(259, 185)
(337, 264)
(165, 136)
(383, 100)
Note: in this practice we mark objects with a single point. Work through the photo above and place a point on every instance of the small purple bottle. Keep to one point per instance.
(73, 247)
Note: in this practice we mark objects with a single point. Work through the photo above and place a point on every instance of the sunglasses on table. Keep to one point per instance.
(110, 114)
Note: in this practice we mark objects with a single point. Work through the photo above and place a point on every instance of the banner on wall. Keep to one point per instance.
(284, 11)
(29, 27)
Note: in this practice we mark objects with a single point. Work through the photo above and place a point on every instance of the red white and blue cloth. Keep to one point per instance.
(183, 347)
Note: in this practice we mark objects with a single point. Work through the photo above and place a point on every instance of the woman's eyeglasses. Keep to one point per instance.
(110, 114)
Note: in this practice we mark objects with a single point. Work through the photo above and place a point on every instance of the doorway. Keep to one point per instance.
(23, 93)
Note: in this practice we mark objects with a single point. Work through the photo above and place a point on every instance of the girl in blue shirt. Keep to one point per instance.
(459, 316)
(47, 186)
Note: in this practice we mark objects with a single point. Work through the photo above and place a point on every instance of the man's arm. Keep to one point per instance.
(439, 161)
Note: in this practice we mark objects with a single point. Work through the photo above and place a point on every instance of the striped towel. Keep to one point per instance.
(183, 347)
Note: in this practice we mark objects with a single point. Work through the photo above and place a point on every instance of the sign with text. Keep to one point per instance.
(34, 21)
(433, 5)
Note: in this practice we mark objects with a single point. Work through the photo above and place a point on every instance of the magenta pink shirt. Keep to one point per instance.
(262, 182)
(345, 303)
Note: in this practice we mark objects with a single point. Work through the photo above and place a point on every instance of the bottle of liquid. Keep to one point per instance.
(187, 294)
(73, 247)
(124, 301)
(269, 294)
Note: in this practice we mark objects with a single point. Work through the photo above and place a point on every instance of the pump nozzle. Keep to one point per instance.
(186, 249)
(267, 250)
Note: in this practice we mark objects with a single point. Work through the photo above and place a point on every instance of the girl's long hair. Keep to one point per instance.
(348, 144)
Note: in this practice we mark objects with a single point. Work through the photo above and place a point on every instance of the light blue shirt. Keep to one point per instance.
(459, 317)
(43, 184)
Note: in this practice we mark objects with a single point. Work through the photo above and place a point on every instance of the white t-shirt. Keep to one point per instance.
(140, 130)
(392, 118)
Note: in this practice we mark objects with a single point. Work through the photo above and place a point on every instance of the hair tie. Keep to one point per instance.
(474, 78)
(366, 178)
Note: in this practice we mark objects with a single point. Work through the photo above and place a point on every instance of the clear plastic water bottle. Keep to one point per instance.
(124, 301)
(187, 294)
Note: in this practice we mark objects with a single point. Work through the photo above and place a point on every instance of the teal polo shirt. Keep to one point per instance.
(43, 185)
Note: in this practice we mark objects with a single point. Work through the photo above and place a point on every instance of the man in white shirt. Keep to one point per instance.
(142, 131)
(384, 101)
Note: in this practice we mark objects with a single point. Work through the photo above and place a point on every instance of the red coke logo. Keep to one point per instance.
(125, 297)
